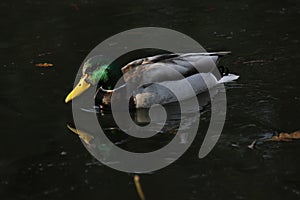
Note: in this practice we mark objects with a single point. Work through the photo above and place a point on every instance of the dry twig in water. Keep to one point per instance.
(139, 187)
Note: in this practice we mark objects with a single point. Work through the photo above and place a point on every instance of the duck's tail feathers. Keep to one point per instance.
(228, 78)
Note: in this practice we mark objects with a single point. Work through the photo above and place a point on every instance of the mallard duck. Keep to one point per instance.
(191, 67)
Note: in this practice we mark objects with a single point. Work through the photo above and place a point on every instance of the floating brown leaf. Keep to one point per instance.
(44, 65)
(286, 137)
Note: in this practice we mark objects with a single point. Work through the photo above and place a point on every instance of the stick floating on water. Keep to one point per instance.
(139, 187)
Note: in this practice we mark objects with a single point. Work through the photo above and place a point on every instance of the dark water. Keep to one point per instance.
(41, 159)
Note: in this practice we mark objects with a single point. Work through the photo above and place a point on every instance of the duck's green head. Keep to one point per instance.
(94, 71)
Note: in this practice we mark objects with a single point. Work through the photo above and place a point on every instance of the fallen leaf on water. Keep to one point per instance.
(87, 138)
(44, 65)
(286, 137)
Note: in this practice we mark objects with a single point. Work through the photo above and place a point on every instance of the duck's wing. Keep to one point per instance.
(147, 60)
(168, 67)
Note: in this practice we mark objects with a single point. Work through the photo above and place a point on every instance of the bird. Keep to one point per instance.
(152, 80)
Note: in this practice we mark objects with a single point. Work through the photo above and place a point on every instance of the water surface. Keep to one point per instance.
(41, 159)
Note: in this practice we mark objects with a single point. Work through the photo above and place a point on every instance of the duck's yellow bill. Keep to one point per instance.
(78, 90)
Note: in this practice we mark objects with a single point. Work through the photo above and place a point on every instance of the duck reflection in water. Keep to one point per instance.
(175, 119)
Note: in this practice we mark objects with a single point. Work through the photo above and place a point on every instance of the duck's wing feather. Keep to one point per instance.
(168, 67)
(147, 60)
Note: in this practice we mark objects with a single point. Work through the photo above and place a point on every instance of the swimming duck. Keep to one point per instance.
(157, 78)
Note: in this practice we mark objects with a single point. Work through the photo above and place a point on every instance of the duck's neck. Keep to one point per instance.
(103, 98)
(109, 77)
